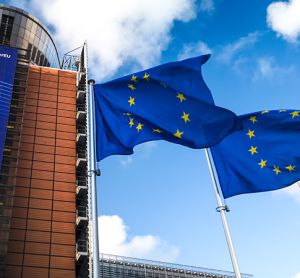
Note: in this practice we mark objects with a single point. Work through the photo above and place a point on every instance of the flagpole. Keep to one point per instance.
(222, 209)
(93, 173)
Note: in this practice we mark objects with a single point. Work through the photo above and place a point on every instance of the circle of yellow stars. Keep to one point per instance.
(254, 149)
(132, 101)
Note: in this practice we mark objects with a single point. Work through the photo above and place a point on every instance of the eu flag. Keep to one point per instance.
(263, 156)
(168, 102)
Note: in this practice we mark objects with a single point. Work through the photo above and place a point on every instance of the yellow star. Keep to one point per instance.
(131, 122)
(265, 112)
(262, 163)
(131, 101)
(185, 117)
(253, 150)
(290, 168)
(250, 133)
(178, 134)
(134, 78)
(294, 114)
(181, 97)
(276, 170)
(146, 77)
(157, 130)
(139, 127)
(253, 119)
(131, 87)
(127, 114)
(282, 110)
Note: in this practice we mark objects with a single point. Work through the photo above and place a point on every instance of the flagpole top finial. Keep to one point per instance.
(91, 81)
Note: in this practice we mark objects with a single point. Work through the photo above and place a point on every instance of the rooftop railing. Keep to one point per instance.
(163, 266)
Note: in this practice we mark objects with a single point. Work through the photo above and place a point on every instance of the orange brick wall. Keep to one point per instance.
(42, 235)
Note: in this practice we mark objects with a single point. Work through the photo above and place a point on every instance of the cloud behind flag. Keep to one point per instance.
(263, 156)
(168, 102)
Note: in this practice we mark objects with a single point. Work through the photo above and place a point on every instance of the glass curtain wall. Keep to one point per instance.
(21, 30)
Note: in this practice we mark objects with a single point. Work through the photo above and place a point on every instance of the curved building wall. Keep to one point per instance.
(21, 30)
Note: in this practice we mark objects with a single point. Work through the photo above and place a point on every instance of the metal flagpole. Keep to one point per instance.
(222, 209)
(93, 173)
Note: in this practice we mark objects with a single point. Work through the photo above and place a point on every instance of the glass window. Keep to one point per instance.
(19, 42)
(21, 32)
(18, 18)
(29, 24)
(36, 41)
(29, 47)
(26, 35)
(24, 44)
(43, 36)
(23, 21)
(42, 60)
(37, 58)
(13, 39)
(33, 53)
(6, 29)
(40, 46)
(38, 31)
(31, 37)
(33, 28)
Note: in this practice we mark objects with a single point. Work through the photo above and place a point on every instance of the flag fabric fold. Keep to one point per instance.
(168, 102)
(264, 155)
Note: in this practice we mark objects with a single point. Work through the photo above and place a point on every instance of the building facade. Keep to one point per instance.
(43, 177)
(124, 267)
(21, 30)
(42, 235)
(44, 182)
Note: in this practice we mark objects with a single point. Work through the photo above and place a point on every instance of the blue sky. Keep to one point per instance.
(159, 202)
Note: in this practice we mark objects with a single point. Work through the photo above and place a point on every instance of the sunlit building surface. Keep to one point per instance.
(44, 187)
(22, 30)
(43, 181)
(121, 267)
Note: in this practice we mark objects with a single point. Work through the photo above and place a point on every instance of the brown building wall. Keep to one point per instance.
(42, 235)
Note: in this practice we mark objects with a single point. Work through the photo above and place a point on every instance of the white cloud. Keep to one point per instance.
(194, 49)
(230, 51)
(144, 149)
(267, 68)
(292, 191)
(207, 5)
(125, 162)
(284, 18)
(297, 275)
(148, 147)
(114, 239)
(118, 32)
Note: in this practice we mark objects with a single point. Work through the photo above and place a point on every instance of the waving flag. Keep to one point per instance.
(263, 156)
(168, 102)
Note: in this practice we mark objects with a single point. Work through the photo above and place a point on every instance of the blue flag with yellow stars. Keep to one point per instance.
(168, 102)
(263, 156)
